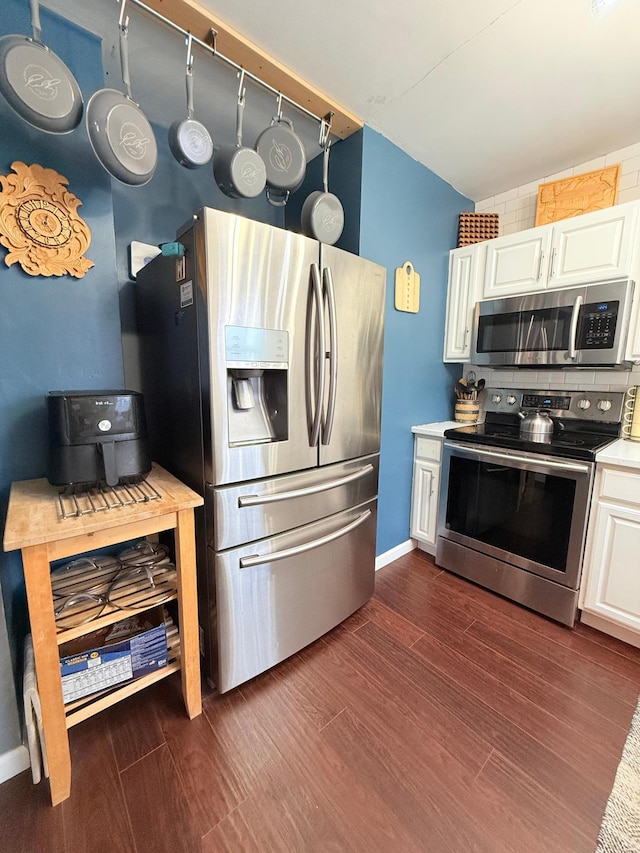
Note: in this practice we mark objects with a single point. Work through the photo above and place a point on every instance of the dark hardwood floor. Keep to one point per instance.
(439, 717)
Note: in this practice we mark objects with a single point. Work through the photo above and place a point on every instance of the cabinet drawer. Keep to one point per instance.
(620, 485)
(428, 448)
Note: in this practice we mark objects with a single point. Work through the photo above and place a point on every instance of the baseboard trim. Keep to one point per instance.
(14, 762)
(627, 635)
(394, 553)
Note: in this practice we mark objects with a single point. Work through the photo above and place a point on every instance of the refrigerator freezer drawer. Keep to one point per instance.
(260, 508)
(276, 596)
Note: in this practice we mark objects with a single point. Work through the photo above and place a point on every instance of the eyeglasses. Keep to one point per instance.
(84, 588)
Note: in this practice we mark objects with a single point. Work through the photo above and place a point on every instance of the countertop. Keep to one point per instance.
(622, 452)
(436, 429)
(34, 517)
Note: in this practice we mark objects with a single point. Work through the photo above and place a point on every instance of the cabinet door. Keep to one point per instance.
(466, 266)
(593, 247)
(633, 341)
(517, 263)
(613, 572)
(424, 502)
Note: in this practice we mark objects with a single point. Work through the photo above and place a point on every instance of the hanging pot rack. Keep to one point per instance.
(323, 121)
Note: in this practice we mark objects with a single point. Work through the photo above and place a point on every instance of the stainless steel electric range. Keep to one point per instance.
(516, 493)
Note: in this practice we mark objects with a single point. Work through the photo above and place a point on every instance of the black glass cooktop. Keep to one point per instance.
(568, 439)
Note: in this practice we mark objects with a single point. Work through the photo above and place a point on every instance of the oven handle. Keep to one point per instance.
(512, 457)
(575, 315)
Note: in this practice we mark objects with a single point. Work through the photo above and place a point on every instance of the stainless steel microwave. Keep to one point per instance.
(577, 327)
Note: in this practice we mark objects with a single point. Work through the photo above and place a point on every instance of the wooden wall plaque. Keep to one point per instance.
(577, 194)
(39, 223)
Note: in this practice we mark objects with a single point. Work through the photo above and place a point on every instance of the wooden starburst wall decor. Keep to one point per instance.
(39, 223)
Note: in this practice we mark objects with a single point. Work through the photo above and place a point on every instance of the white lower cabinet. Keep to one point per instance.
(610, 593)
(425, 491)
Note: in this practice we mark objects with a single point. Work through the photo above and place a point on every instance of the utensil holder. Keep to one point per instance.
(631, 416)
(466, 411)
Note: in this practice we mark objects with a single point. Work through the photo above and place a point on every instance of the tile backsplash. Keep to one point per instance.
(517, 207)
(593, 380)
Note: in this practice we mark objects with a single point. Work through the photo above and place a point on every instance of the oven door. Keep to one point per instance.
(526, 510)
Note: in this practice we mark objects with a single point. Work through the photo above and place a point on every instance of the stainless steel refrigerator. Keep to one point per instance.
(261, 368)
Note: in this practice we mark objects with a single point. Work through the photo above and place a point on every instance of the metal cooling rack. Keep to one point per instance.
(81, 500)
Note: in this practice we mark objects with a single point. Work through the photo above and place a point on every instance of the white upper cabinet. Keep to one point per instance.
(633, 341)
(466, 268)
(517, 263)
(593, 247)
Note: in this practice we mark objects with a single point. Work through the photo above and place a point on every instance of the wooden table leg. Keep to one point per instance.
(188, 612)
(37, 577)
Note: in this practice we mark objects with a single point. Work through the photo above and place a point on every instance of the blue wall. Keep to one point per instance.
(58, 332)
(61, 333)
(408, 214)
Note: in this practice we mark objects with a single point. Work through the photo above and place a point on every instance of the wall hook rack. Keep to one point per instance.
(212, 49)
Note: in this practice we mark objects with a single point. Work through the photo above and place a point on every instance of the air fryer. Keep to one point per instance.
(97, 438)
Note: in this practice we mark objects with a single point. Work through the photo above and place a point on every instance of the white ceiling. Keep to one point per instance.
(488, 94)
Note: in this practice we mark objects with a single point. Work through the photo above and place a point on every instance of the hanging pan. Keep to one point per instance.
(322, 214)
(121, 137)
(239, 171)
(284, 158)
(36, 83)
(189, 140)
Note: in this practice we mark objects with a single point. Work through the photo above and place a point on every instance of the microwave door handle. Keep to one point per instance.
(573, 328)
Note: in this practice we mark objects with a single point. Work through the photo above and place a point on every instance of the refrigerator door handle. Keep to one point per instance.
(333, 355)
(260, 559)
(259, 500)
(320, 354)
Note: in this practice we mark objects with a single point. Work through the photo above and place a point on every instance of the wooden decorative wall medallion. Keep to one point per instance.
(39, 223)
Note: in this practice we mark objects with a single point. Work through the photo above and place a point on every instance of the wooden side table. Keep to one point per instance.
(36, 526)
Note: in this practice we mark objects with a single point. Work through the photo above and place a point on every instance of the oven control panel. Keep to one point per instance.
(546, 401)
(602, 406)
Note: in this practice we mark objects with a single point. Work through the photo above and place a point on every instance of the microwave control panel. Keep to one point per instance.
(598, 325)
